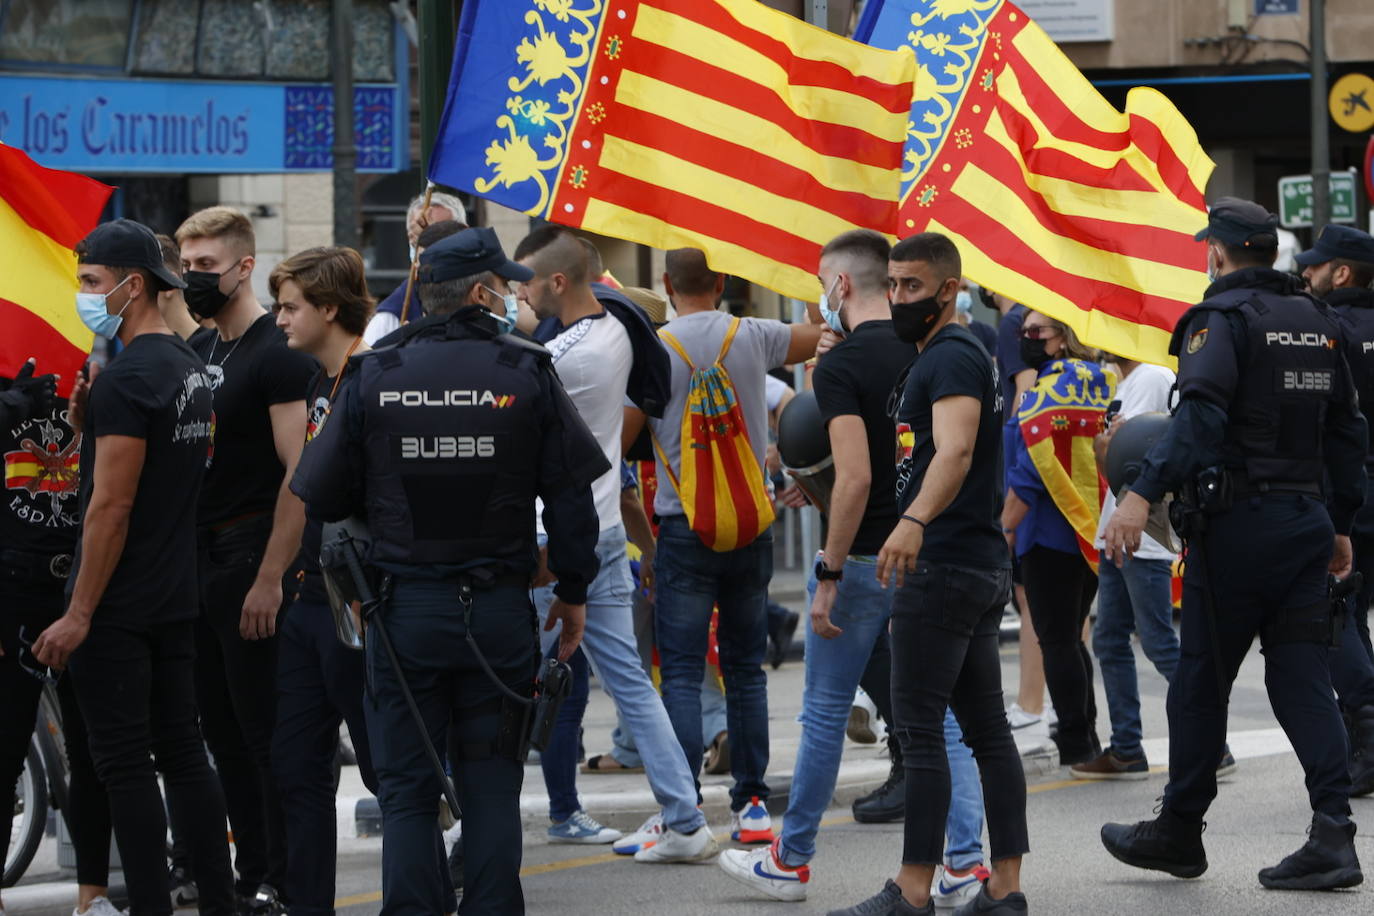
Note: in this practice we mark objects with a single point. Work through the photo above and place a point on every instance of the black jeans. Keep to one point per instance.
(1265, 557)
(26, 609)
(1059, 589)
(236, 688)
(135, 688)
(425, 622)
(877, 683)
(319, 685)
(945, 621)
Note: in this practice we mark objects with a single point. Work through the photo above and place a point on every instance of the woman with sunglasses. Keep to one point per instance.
(1054, 496)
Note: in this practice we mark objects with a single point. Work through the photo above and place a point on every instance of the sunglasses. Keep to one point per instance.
(1044, 332)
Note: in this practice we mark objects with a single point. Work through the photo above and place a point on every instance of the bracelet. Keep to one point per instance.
(912, 518)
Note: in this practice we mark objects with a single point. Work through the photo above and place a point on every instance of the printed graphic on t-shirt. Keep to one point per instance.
(41, 474)
(316, 413)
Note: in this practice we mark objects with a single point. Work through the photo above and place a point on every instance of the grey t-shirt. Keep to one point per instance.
(760, 344)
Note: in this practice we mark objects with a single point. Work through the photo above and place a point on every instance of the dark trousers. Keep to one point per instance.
(877, 683)
(319, 686)
(1059, 589)
(559, 759)
(135, 689)
(1364, 564)
(1265, 557)
(945, 621)
(236, 690)
(26, 609)
(425, 622)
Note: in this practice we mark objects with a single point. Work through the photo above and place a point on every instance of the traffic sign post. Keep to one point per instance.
(1295, 199)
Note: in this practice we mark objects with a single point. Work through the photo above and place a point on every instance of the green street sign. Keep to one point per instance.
(1295, 199)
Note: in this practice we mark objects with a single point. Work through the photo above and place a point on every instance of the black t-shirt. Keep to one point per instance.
(856, 378)
(968, 532)
(249, 374)
(156, 390)
(317, 407)
(40, 514)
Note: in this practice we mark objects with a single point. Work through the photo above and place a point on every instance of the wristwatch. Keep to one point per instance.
(825, 573)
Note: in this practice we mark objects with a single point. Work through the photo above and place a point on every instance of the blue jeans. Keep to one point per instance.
(833, 668)
(626, 752)
(609, 641)
(1137, 598)
(693, 579)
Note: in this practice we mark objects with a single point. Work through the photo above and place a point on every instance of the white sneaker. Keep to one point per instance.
(751, 824)
(697, 846)
(863, 715)
(761, 870)
(100, 906)
(581, 827)
(1018, 718)
(949, 891)
(649, 833)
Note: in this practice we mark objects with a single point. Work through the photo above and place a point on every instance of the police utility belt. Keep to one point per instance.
(32, 566)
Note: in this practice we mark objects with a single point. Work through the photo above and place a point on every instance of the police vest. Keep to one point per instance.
(1289, 357)
(452, 447)
(1354, 309)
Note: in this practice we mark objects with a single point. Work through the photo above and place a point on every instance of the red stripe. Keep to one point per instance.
(1055, 113)
(1150, 139)
(736, 475)
(1135, 240)
(801, 71)
(718, 85)
(23, 334)
(64, 206)
(1054, 163)
(754, 167)
(693, 215)
(1013, 253)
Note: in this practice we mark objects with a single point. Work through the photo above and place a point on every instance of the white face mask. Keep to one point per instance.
(830, 315)
(92, 310)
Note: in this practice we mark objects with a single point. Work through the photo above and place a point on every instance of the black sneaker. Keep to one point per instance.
(184, 890)
(1325, 862)
(781, 640)
(887, 902)
(264, 902)
(983, 905)
(885, 804)
(1166, 844)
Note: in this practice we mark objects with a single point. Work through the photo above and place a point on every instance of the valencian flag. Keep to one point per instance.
(1054, 197)
(716, 124)
(43, 214)
(1059, 418)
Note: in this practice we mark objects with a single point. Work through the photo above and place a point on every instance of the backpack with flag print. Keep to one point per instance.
(721, 484)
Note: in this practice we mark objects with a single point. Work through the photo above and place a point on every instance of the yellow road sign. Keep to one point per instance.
(1352, 102)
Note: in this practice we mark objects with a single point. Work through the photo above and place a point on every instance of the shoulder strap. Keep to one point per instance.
(729, 339)
(673, 342)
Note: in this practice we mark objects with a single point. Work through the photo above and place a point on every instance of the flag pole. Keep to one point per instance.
(1321, 135)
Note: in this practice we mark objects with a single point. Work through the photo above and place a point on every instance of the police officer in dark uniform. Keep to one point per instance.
(1340, 270)
(1267, 412)
(443, 442)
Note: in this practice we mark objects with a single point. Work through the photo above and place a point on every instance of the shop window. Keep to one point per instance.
(72, 33)
(231, 38)
(166, 39)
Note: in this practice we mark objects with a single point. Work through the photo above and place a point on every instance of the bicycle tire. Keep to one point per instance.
(52, 747)
(33, 791)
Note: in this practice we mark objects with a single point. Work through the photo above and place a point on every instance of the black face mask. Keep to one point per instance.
(1033, 353)
(203, 296)
(912, 321)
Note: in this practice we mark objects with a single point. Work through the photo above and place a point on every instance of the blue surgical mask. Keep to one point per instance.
(511, 302)
(90, 308)
(963, 301)
(831, 316)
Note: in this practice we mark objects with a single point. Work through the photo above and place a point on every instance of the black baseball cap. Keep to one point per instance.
(472, 251)
(1235, 221)
(1344, 242)
(125, 243)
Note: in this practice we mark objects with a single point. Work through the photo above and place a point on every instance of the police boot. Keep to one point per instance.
(887, 803)
(1362, 751)
(1326, 861)
(1167, 843)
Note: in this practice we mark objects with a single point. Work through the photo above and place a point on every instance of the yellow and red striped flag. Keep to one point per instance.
(43, 214)
(1054, 197)
(716, 124)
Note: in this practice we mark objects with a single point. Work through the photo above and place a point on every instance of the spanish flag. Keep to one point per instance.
(43, 214)
(1054, 197)
(714, 124)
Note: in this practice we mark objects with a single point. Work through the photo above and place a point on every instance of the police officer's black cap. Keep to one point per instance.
(125, 243)
(472, 251)
(1345, 242)
(1240, 222)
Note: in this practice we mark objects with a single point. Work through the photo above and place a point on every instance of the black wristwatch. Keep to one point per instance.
(825, 574)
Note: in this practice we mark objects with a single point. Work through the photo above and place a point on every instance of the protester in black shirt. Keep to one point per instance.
(249, 531)
(951, 569)
(127, 630)
(322, 305)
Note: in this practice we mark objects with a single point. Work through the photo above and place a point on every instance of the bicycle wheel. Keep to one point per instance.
(28, 820)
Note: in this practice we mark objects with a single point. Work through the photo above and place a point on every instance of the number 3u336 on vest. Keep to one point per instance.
(441, 447)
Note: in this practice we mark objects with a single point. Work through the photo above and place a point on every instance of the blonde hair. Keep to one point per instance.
(219, 223)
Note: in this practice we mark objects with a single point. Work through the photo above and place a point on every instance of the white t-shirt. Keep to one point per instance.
(380, 325)
(1145, 390)
(761, 344)
(593, 358)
